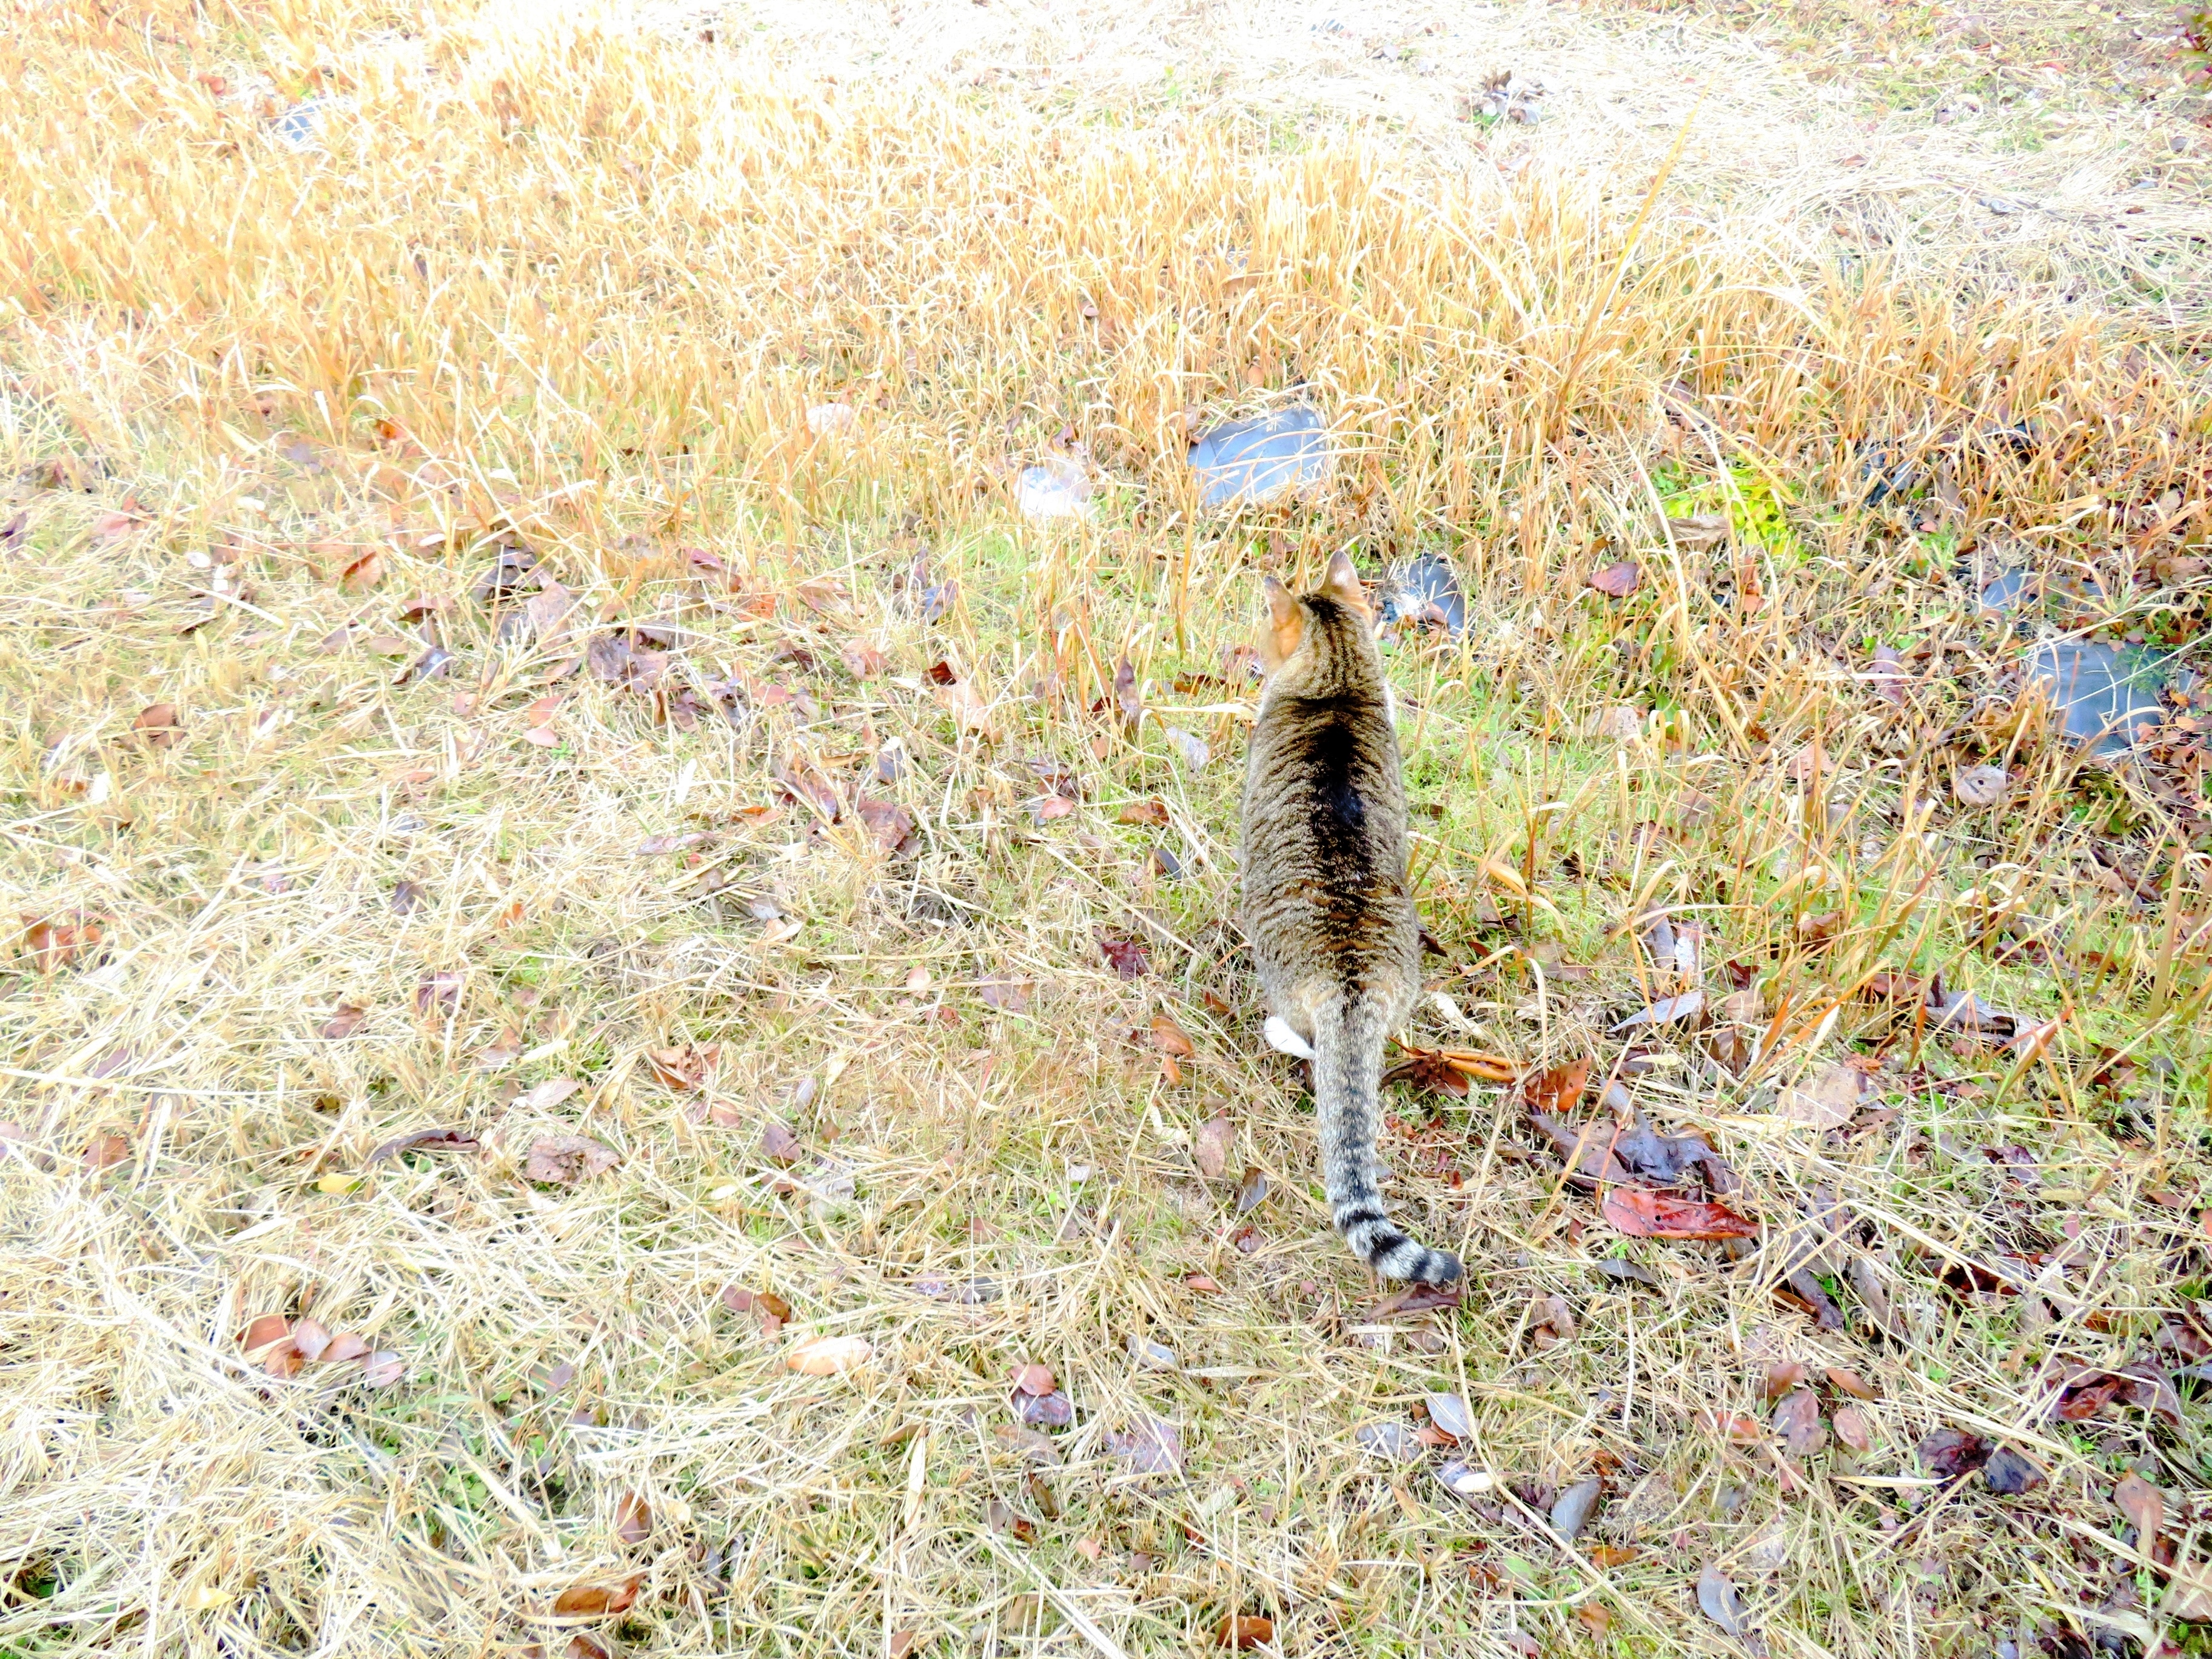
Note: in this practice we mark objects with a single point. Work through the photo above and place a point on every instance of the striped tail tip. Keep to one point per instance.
(1394, 1255)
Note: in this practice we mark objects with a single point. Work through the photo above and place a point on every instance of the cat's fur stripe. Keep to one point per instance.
(1333, 928)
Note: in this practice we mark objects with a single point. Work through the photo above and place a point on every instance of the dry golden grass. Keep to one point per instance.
(557, 285)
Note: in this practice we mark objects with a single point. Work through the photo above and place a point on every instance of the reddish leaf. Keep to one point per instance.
(1557, 1089)
(1733, 1425)
(1203, 1284)
(891, 823)
(1782, 1375)
(2144, 1505)
(1949, 1453)
(1126, 696)
(1214, 1138)
(778, 1144)
(1617, 581)
(1034, 1379)
(1054, 807)
(1244, 1631)
(1153, 811)
(595, 1600)
(687, 1069)
(157, 726)
(264, 1333)
(1643, 1214)
(1853, 1430)
(1797, 1421)
(364, 572)
(633, 1518)
(345, 1346)
(564, 1160)
(1426, 1069)
(1850, 1383)
(1150, 1445)
(1008, 996)
(1170, 1038)
(1251, 1189)
(106, 1151)
(862, 660)
(382, 1369)
(54, 944)
(1129, 957)
(441, 991)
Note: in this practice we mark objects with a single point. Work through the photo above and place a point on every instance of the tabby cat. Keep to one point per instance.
(1332, 926)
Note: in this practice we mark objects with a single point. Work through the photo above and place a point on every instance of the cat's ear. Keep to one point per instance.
(1341, 583)
(1286, 626)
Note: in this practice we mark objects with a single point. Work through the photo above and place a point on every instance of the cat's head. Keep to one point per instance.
(1297, 622)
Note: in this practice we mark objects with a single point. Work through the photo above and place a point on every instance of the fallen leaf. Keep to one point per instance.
(862, 660)
(1202, 1284)
(595, 1600)
(1852, 1428)
(2189, 1594)
(1051, 1410)
(1733, 1425)
(1557, 1089)
(1718, 1602)
(1448, 1412)
(1034, 1379)
(1618, 580)
(2144, 1505)
(1008, 996)
(903, 1643)
(1850, 1383)
(1129, 958)
(1251, 1189)
(633, 1518)
(1126, 696)
(828, 1356)
(1170, 1038)
(564, 1160)
(382, 1369)
(502, 1051)
(1980, 785)
(1573, 1510)
(157, 726)
(1215, 1136)
(1783, 1377)
(1596, 1618)
(778, 1144)
(546, 1095)
(363, 573)
(1643, 1214)
(1828, 1102)
(687, 1069)
(891, 823)
(1797, 1421)
(106, 1151)
(441, 991)
(1426, 1069)
(969, 710)
(439, 1140)
(433, 664)
(1665, 1011)
(263, 1333)
(1150, 1445)
(1613, 1555)
(1393, 1443)
(345, 1346)
(1244, 1631)
(1699, 532)
(1054, 807)
(1950, 1453)
(1153, 813)
(2008, 1472)
(1463, 1483)
(54, 944)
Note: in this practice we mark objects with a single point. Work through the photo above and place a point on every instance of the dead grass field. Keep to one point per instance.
(604, 966)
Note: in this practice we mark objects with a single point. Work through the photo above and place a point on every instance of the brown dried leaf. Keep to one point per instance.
(1828, 1102)
(1130, 958)
(2144, 1505)
(106, 1151)
(1617, 580)
(1980, 785)
(345, 1346)
(1034, 1379)
(1797, 1421)
(778, 1144)
(1170, 1038)
(1643, 1214)
(1699, 532)
(633, 1518)
(1852, 1428)
(1733, 1425)
(157, 726)
(1783, 1376)
(828, 1356)
(686, 1068)
(1557, 1089)
(1127, 697)
(1850, 1383)
(383, 1368)
(1251, 1190)
(596, 1601)
(1244, 1631)
(1215, 1136)
(564, 1160)
(1153, 813)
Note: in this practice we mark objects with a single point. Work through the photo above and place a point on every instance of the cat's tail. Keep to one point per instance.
(1347, 1072)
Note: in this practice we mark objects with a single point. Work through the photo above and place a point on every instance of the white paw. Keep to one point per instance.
(1282, 1039)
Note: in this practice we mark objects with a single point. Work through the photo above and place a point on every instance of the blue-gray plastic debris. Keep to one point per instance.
(1425, 592)
(1251, 462)
(2100, 692)
(301, 127)
(1060, 489)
